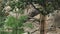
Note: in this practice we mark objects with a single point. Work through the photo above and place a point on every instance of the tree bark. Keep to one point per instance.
(43, 25)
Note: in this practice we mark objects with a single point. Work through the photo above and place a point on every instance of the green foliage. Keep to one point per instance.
(1, 24)
(19, 4)
(2, 18)
(47, 9)
(20, 31)
(21, 11)
(10, 21)
(22, 19)
(13, 22)
(30, 25)
(16, 23)
(2, 14)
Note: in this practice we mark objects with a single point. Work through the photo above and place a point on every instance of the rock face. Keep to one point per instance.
(55, 23)
(51, 33)
(57, 19)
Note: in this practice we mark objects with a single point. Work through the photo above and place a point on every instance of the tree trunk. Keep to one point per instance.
(43, 25)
